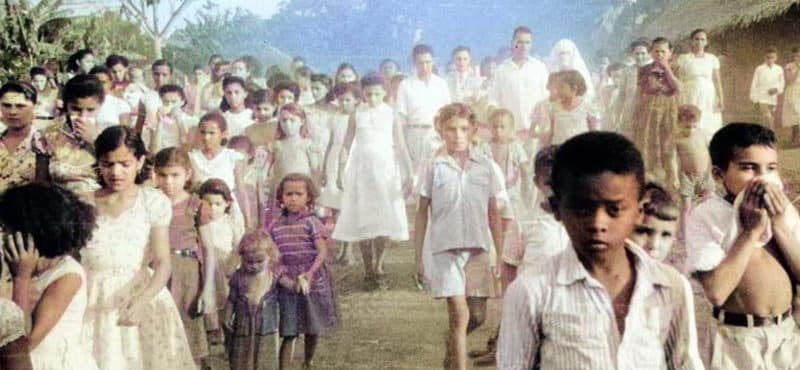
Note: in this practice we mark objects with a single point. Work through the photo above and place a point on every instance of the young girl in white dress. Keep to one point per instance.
(570, 114)
(700, 83)
(214, 160)
(131, 320)
(43, 224)
(347, 96)
(292, 152)
(233, 106)
(374, 174)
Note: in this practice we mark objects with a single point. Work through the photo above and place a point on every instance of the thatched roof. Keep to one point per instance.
(680, 17)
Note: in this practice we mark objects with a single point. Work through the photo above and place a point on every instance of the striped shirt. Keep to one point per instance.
(560, 317)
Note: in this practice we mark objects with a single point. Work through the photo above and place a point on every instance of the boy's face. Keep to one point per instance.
(424, 64)
(521, 45)
(347, 102)
(599, 212)
(161, 75)
(235, 95)
(264, 111)
(661, 52)
(640, 54)
(374, 95)
(319, 90)
(457, 134)
(171, 100)
(462, 61)
(284, 97)
(502, 128)
(748, 164)
(655, 236)
(770, 59)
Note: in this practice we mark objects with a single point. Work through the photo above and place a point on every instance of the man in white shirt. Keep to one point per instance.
(114, 111)
(767, 83)
(465, 84)
(602, 303)
(419, 97)
(520, 81)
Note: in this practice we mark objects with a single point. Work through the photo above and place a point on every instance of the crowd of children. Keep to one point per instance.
(139, 226)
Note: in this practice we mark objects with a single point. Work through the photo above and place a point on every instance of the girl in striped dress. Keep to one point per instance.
(308, 305)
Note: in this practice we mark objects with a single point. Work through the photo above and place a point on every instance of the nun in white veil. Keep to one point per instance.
(565, 56)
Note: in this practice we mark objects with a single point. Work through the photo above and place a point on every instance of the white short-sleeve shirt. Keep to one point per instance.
(764, 79)
(419, 101)
(460, 200)
(222, 166)
(110, 111)
(238, 122)
(518, 89)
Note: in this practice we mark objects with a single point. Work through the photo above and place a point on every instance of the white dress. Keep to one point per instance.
(331, 195)
(115, 261)
(372, 201)
(697, 79)
(569, 123)
(63, 348)
(238, 122)
(12, 322)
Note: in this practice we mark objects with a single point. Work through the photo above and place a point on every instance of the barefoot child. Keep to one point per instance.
(42, 225)
(459, 191)
(602, 303)
(222, 234)
(193, 263)
(746, 253)
(694, 163)
(251, 314)
(372, 177)
(309, 307)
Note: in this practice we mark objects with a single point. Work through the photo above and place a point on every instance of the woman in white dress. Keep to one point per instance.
(700, 83)
(43, 225)
(373, 206)
(131, 321)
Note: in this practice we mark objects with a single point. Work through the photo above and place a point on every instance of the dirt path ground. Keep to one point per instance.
(403, 328)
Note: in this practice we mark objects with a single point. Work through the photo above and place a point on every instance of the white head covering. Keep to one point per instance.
(571, 59)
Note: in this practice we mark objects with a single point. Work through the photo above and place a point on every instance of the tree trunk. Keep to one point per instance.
(157, 46)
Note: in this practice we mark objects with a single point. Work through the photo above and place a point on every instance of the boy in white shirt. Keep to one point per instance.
(744, 247)
(461, 188)
(767, 84)
(602, 303)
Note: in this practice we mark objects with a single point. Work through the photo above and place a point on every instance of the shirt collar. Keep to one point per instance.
(647, 270)
(444, 157)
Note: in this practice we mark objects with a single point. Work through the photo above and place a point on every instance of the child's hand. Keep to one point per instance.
(752, 214)
(323, 180)
(85, 128)
(131, 315)
(772, 91)
(775, 201)
(303, 286)
(22, 255)
(340, 182)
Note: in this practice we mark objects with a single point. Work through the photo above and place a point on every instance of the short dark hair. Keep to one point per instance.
(172, 88)
(771, 50)
(323, 79)
(73, 63)
(116, 137)
(82, 86)
(215, 186)
(637, 43)
(346, 88)
(735, 137)
(313, 191)
(287, 85)
(459, 49)
(213, 57)
(372, 80)
(101, 70)
(656, 201)
(574, 79)
(161, 62)
(660, 41)
(59, 222)
(521, 29)
(19, 87)
(36, 71)
(259, 96)
(420, 49)
(543, 162)
(593, 153)
(695, 32)
(115, 59)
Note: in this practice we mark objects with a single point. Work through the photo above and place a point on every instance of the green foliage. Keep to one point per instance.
(33, 35)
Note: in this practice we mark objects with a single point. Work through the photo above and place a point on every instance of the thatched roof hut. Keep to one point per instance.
(739, 31)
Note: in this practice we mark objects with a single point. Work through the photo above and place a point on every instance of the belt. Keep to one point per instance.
(748, 320)
(419, 126)
(190, 253)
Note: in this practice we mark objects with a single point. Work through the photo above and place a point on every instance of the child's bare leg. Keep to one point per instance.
(458, 312)
(310, 347)
(367, 254)
(477, 312)
(380, 252)
(287, 348)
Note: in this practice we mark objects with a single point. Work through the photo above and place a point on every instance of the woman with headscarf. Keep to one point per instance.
(565, 56)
